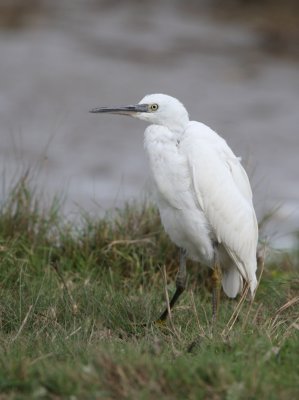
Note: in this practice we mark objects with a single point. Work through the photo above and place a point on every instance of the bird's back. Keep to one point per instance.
(222, 191)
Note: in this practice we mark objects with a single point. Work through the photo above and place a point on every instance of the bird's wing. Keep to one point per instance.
(222, 190)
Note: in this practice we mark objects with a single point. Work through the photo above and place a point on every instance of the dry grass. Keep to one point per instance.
(74, 304)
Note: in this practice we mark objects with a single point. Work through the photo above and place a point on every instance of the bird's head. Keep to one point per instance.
(158, 109)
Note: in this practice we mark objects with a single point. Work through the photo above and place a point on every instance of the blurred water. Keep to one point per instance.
(55, 70)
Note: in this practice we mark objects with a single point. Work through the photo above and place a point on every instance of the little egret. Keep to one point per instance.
(203, 195)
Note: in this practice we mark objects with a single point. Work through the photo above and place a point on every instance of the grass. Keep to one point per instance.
(74, 299)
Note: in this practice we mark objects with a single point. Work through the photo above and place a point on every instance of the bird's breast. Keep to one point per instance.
(168, 167)
(181, 217)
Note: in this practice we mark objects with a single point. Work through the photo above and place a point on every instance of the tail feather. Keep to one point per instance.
(253, 285)
(232, 281)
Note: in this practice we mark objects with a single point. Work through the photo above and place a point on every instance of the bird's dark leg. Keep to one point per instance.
(180, 284)
(216, 285)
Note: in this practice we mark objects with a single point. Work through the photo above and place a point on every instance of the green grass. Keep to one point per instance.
(74, 298)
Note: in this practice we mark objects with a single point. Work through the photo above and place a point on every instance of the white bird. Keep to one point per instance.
(203, 194)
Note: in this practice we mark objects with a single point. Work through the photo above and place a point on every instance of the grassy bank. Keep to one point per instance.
(74, 299)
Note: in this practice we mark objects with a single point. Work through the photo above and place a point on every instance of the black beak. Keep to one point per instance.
(124, 110)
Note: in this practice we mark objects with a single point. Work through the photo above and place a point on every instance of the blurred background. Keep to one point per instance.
(233, 63)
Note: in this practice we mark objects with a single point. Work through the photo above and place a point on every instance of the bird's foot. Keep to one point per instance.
(160, 323)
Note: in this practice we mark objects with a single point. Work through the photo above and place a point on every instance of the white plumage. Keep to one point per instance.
(203, 192)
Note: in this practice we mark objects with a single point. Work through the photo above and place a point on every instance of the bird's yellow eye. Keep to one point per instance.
(153, 107)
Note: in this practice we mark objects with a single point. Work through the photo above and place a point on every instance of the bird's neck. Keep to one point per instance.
(160, 135)
(169, 131)
(177, 127)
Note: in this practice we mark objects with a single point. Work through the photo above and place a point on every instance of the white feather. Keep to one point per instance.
(223, 192)
(203, 193)
(232, 281)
